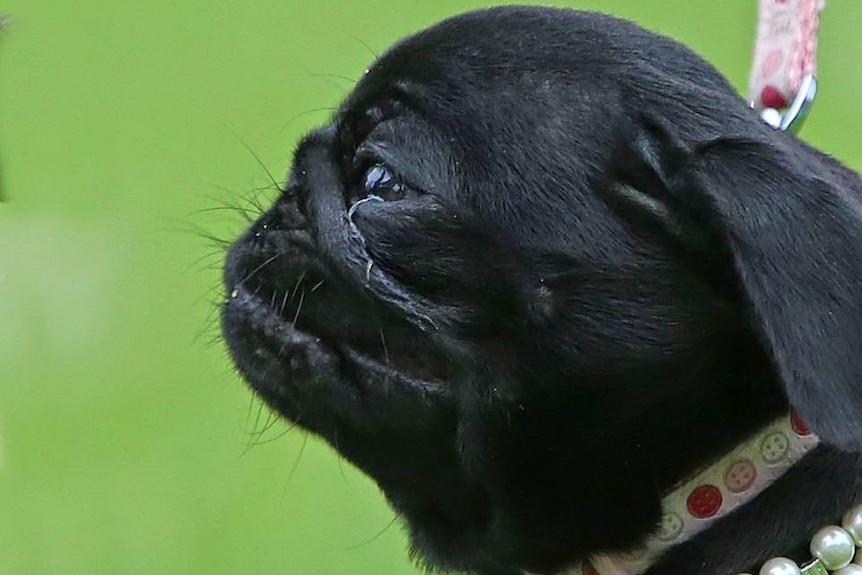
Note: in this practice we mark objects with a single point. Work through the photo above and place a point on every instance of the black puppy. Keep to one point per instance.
(540, 267)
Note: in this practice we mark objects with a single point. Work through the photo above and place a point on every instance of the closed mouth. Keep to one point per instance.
(281, 345)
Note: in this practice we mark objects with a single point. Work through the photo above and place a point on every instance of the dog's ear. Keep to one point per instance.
(789, 222)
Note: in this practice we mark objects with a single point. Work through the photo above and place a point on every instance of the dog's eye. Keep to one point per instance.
(379, 181)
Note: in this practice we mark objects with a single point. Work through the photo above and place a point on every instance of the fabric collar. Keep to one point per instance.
(712, 493)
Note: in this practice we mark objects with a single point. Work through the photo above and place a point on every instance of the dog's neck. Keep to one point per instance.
(714, 492)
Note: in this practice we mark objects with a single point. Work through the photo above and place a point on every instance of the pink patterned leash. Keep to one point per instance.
(783, 76)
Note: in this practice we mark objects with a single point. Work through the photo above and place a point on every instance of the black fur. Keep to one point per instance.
(607, 271)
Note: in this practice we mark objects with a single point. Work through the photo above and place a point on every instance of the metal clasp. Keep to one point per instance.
(796, 113)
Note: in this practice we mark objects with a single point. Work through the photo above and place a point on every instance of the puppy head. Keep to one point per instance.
(539, 266)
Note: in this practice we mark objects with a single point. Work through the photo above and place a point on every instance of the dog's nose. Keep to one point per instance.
(284, 215)
(289, 211)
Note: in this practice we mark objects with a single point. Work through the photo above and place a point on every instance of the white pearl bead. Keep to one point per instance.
(771, 116)
(780, 566)
(851, 569)
(833, 546)
(853, 524)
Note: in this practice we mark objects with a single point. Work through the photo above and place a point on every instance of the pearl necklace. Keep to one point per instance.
(836, 550)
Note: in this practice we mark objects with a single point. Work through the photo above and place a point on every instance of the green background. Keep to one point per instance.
(124, 433)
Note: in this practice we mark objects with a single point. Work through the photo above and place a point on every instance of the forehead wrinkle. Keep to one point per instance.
(525, 126)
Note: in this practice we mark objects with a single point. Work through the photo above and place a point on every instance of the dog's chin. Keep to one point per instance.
(283, 364)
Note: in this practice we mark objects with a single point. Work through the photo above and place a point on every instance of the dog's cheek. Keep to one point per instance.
(440, 255)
